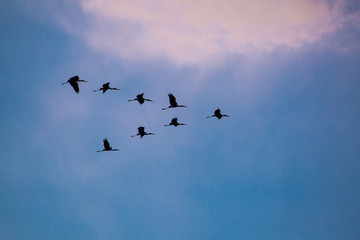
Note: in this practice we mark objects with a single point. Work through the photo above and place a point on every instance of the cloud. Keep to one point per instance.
(195, 32)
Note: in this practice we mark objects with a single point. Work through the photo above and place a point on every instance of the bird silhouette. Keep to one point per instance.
(218, 114)
(73, 81)
(106, 87)
(140, 98)
(173, 103)
(107, 146)
(141, 132)
(174, 122)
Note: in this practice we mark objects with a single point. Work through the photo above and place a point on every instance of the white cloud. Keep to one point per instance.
(197, 32)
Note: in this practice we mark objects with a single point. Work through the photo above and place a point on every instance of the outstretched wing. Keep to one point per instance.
(172, 100)
(75, 86)
(106, 144)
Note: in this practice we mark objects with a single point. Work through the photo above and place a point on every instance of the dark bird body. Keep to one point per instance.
(175, 123)
(141, 132)
(73, 81)
(218, 114)
(173, 103)
(107, 146)
(140, 98)
(106, 87)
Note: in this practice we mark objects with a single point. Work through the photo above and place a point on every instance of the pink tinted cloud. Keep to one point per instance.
(198, 32)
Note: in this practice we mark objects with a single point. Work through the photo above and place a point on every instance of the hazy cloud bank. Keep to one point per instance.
(193, 33)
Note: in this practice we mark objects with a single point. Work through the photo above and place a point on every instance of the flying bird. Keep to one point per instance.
(173, 103)
(140, 98)
(218, 114)
(174, 122)
(73, 81)
(106, 87)
(141, 132)
(107, 146)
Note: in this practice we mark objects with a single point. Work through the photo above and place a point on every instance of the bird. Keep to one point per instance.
(73, 81)
(173, 103)
(140, 98)
(141, 132)
(105, 87)
(218, 114)
(107, 147)
(174, 122)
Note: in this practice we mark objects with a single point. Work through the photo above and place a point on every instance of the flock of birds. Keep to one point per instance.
(73, 81)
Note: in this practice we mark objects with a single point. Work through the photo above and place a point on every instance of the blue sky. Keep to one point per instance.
(285, 165)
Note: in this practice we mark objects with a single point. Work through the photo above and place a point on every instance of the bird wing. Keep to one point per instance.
(106, 144)
(172, 100)
(141, 130)
(74, 78)
(75, 86)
